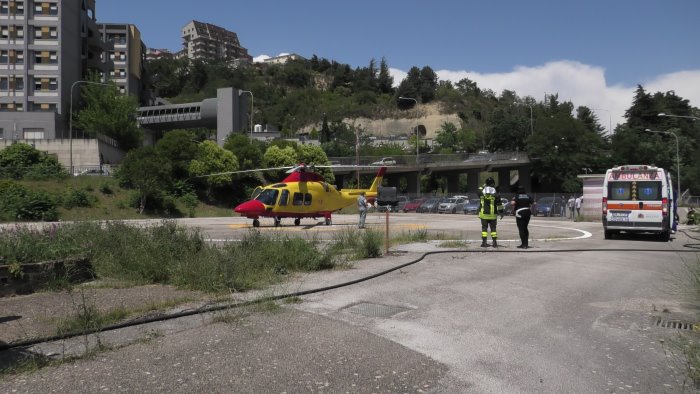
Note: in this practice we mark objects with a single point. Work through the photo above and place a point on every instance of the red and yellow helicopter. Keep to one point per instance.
(303, 194)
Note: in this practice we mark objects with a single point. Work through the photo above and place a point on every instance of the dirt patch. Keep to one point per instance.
(37, 315)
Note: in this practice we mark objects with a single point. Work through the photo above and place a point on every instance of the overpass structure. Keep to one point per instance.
(511, 168)
(227, 113)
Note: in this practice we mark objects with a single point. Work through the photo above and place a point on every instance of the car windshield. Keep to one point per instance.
(451, 200)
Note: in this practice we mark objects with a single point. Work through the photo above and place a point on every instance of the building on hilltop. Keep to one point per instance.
(282, 59)
(207, 41)
(158, 53)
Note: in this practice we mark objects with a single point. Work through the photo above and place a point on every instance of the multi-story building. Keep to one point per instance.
(207, 41)
(45, 46)
(124, 58)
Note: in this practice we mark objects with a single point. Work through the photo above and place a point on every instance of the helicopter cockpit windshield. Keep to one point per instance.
(268, 197)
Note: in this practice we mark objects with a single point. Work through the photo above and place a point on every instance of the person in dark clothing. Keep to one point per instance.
(522, 204)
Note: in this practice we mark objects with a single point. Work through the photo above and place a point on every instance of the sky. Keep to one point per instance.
(593, 53)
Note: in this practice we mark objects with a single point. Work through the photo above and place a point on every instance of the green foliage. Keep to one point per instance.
(279, 157)
(108, 112)
(147, 172)
(312, 154)
(167, 253)
(178, 147)
(18, 203)
(249, 153)
(22, 161)
(77, 198)
(211, 163)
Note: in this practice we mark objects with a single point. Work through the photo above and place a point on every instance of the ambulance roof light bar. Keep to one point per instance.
(635, 167)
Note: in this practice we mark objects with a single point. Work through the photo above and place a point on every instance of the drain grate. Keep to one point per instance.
(375, 310)
(676, 324)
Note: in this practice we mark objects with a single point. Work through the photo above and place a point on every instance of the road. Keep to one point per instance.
(564, 316)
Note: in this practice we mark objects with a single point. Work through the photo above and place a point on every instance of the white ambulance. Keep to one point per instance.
(637, 198)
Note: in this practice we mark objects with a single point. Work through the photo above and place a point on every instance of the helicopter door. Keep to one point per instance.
(284, 197)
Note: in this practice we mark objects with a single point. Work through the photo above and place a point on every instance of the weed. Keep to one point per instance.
(452, 244)
(15, 269)
(420, 235)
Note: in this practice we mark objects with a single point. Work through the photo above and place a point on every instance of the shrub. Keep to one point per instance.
(77, 198)
(18, 203)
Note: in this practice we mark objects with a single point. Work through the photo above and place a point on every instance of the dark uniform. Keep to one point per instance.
(522, 203)
(490, 206)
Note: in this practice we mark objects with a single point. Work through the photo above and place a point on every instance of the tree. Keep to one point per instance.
(21, 160)
(279, 157)
(147, 172)
(428, 84)
(213, 165)
(411, 85)
(385, 81)
(108, 112)
(249, 153)
(311, 154)
(179, 147)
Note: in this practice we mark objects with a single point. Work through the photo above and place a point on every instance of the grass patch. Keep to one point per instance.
(420, 235)
(166, 253)
(354, 244)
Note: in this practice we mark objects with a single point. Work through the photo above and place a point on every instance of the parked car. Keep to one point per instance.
(548, 206)
(412, 206)
(471, 207)
(384, 161)
(429, 206)
(452, 205)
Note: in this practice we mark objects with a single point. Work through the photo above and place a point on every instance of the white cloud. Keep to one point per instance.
(579, 83)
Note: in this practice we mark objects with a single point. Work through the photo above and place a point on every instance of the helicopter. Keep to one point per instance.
(303, 194)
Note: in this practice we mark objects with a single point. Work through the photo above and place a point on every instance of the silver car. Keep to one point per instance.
(452, 205)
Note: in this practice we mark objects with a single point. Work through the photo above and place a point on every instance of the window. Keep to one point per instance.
(307, 199)
(4, 83)
(45, 9)
(45, 32)
(11, 107)
(44, 107)
(4, 8)
(33, 134)
(4, 56)
(268, 197)
(45, 84)
(298, 199)
(45, 57)
(284, 197)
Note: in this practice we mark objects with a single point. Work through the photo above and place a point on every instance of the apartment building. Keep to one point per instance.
(124, 58)
(45, 46)
(48, 45)
(207, 41)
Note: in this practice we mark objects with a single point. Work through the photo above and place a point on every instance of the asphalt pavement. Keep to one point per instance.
(576, 313)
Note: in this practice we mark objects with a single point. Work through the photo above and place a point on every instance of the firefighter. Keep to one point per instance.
(490, 207)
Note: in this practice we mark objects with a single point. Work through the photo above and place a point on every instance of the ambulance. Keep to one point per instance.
(637, 198)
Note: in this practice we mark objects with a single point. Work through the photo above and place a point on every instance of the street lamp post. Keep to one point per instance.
(679, 116)
(415, 101)
(250, 118)
(678, 158)
(70, 118)
(609, 118)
